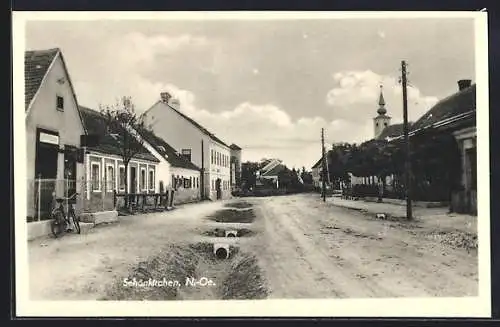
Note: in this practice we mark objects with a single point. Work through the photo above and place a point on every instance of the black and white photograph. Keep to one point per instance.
(263, 163)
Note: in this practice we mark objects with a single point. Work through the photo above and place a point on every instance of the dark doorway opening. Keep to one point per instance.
(218, 188)
(47, 152)
(133, 180)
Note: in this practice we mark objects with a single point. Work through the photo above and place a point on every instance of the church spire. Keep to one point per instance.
(381, 102)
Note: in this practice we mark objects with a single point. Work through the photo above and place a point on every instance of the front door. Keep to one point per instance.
(218, 188)
(47, 152)
(133, 180)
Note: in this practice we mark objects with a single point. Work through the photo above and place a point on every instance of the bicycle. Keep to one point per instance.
(60, 221)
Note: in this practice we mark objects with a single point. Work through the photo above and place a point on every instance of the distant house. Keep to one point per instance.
(235, 166)
(106, 171)
(53, 131)
(271, 171)
(316, 173)
(392, 132)
(175, 170)
(195, 142)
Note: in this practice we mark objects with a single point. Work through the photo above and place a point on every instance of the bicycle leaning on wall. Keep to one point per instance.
(62, 222)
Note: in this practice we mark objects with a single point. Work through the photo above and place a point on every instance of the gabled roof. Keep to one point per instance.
(392, 131)
(234, 147)
(166, 150)
(317, 164)
(95, 123)
(194, 123)
(36, 66)
(456, 104)
(274, 171)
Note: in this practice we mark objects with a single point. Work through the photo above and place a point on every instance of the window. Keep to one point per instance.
(376, 124)
(212, 156)
(173, 181)
(186, 153)
(385, 124)
(60, 103)
(197, 182)
(96, 176)
(151, 180)
(122, 177)
(142, 182)
(110, 177)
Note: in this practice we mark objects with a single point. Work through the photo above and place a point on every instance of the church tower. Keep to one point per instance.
(382, 120)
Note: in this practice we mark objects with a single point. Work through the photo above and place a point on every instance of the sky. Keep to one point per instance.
(267, 86)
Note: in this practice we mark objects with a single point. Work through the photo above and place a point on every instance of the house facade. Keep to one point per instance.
(456, 115)
(53, 132)
(195, 143)
(175, 171)
(105, 170)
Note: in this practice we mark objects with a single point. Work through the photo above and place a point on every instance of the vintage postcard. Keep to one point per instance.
(251, 164)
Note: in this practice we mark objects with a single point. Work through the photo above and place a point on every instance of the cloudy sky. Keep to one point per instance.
(268, 86)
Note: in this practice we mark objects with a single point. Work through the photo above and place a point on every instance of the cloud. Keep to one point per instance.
(265, 130)
(143, 49)
(355, 96)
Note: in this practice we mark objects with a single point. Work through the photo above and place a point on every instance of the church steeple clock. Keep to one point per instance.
(382, 120)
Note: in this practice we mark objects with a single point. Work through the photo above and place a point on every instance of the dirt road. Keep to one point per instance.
(311, 249)
(304, 248)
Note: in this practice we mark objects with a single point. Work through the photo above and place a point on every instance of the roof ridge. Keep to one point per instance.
(198, 125)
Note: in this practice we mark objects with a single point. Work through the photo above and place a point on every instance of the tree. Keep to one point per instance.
(121, 122)
(248, 171)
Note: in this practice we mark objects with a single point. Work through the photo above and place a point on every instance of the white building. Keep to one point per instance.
(194, 142)
(174, 170)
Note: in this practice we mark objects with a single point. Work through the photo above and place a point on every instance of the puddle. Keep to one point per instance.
(233, 216)
(239, 205)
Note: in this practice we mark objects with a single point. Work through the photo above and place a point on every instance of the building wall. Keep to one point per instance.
(316, 177)
(465, 201)
(186, 194)
(44, 114)
(181, 134)
(380, 123)
(235, 170)
(101, 199)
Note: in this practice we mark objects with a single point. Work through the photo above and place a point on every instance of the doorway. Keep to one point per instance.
(47, 152)
(218, 188)
(133, 180)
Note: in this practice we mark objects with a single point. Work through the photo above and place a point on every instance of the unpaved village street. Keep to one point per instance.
(288, 247)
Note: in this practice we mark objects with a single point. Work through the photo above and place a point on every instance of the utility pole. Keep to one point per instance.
(323, 166)
(407, 142)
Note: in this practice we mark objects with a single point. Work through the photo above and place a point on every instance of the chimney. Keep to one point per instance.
(463, 84)
(165, 97)
(175, 103)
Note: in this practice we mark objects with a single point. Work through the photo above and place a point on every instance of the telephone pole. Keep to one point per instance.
(323, 166)
(407, 142)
